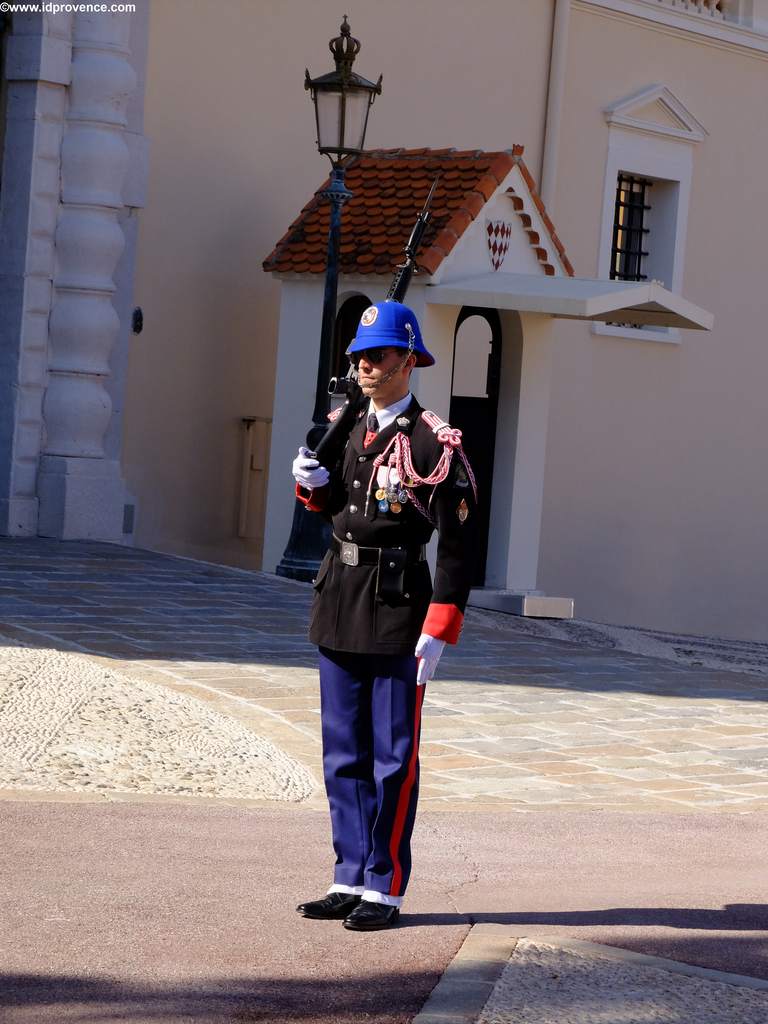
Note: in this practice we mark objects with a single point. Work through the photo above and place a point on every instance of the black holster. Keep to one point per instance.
(391, 575)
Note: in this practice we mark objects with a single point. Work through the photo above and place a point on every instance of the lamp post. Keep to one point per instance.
(342, 101)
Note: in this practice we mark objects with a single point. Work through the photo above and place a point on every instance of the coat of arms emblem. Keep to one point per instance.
(498, 233)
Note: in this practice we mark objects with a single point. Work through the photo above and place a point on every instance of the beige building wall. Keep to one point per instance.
(655, 496)
(232, 161)
(656, 491)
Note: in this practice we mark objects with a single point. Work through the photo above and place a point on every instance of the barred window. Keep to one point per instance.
(629, 248)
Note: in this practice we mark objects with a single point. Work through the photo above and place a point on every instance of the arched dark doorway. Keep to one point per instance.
(474, 403)
(347, 319)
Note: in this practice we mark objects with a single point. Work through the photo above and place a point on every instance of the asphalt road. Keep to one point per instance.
(163, 912)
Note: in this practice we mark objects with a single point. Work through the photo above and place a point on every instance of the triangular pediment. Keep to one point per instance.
(658, 113)
(656, 110)
(511, 234)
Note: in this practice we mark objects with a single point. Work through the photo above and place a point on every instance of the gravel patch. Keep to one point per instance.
(544, 984)
(70, 724)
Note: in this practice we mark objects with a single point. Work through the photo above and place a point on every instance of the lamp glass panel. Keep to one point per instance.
(328, 118)
(356, 114)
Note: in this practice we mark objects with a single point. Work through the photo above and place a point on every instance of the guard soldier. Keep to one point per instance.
(379, 625)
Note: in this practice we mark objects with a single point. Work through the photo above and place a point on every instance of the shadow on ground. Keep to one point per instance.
(130, 604)
(732, 917)
(734, 938)
(386, 997)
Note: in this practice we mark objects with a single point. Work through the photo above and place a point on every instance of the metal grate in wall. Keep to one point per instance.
(630, 230)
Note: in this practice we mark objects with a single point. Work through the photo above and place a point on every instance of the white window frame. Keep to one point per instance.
(644, 150)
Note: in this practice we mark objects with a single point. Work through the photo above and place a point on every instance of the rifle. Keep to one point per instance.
(405, 271)
(331, 446)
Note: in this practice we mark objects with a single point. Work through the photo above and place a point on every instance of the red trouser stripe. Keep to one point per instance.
(404, 799)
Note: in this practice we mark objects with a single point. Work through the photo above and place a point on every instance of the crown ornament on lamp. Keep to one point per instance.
(344, 48)
(342, 100)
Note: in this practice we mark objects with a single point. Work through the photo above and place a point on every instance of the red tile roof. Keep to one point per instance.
(389, 187)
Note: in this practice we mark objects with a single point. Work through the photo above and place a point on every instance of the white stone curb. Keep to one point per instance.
(470, 978)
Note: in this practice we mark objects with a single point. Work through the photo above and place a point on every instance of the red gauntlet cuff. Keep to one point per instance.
(314, 500)
(443, 621)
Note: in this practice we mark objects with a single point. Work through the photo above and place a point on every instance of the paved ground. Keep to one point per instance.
(586, 775)
(516, 719)
(174, 912)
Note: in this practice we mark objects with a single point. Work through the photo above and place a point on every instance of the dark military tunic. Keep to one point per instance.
(349, 611)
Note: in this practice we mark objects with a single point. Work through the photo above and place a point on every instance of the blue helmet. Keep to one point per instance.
(392, 324)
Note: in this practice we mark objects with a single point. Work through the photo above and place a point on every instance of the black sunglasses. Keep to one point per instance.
(374, 356)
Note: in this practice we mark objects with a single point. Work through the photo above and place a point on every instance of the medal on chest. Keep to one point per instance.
(390, 493)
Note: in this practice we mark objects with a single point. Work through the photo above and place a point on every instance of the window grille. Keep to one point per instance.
(630, 231)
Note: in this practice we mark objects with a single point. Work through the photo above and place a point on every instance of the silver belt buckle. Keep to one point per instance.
(349, 553)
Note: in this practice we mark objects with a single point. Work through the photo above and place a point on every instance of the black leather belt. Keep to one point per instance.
(356, 554)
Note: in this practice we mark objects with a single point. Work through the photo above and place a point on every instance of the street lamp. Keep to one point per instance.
(342, 101)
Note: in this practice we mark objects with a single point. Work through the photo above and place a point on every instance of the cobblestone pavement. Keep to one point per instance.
(518, 718)
(68, 722)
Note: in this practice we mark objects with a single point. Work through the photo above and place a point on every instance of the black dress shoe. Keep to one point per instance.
(369, 917)
(331, 907)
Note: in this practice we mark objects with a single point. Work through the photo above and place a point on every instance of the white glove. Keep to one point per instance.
(308, 472)
(428, 651)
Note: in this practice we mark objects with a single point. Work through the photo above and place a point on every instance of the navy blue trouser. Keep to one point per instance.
(371, 719)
